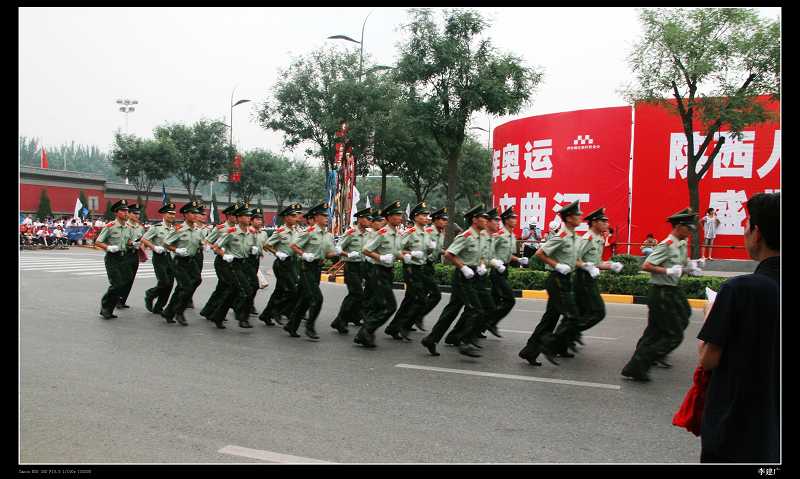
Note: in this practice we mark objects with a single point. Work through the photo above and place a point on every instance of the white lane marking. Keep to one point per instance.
(511, 376)
(269, 456)
(531, 332)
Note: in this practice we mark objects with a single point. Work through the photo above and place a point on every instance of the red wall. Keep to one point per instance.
(61, 198)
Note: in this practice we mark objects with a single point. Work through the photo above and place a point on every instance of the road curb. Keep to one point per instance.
(542, 294)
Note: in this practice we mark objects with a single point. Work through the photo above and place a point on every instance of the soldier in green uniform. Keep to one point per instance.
(222, 268)
(504, 246)
(435, 238)
(349, 248)
(235, 246)
(284, 266)
(414, 249)
(200, 223)
(313, 247)
(383, 249)
(184, 242)
(115, 239)
(465, 253)
(256, 251)
(377, 222)
(132, 260)
(560, 255)
(668, 309)
(162, 262)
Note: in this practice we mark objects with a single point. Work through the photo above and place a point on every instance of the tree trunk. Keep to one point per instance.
(383, 187)
(452, 186)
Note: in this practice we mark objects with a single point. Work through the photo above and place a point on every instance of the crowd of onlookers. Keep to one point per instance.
(54, 231)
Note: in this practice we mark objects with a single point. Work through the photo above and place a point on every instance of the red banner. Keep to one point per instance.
(543, 163)
(742, 168)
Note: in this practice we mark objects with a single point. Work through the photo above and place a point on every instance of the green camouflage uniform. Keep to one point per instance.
(187, 274)
(352, 310)
(591, 307)
(117, 269)
(319, 242)
(284, 297)
(132, 260)
(162, 265)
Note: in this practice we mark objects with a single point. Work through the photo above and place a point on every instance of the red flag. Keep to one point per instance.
(44, 159)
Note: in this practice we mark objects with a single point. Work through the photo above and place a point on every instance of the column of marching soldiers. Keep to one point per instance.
(482, 255)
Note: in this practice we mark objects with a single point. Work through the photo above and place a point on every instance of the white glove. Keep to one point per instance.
(594, 272)
(696, 272)
(496, 263)
(135, 244)
(112, 248)
(353, 254)
(228, 258)
(523, 261)
(281, 255)
(338, 251)
(158, 249)
(418, 254)
(182, 252)
(562, 268)
(616, 266)
(467, 272)
(481, 270)
(432, 244)
(587, 267)
(675, 271)
(207, 247)
(407, 258)
(501, 269)
(387, 259)
(308, 257)
(254, 250)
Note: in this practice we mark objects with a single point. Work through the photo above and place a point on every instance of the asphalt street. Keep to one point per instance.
(138, 390)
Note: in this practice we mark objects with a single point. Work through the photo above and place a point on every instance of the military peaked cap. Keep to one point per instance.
(257, 212)
(440, 214)
(320, 209)
(598, 214)
(392, 209)
(231, 209)
(134, 208)
(292, 209)
(508, 213)
(191, 207)
(420, 209)
(477, 210)
(366, 212)
(167, 208)
(120, 205)
(573, 208)
(685, 217)
(492, 214)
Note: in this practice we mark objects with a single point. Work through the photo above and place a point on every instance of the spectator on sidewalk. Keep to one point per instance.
(649, 243)
(710, 226)
(740, 345)
(610, 246)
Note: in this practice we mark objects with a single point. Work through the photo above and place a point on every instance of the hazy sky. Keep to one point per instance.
(182, 64)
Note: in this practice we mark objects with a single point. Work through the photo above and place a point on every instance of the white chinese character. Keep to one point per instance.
(735, 158)
(537, 159)
(770, 190)
(565, 199)
(510, 162)
(774, 158)
(495, 164)
(507, 202)
(678, 159)
(731, 211)
(532, 210)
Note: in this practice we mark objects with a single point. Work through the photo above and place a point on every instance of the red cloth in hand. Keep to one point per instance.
(690, 415)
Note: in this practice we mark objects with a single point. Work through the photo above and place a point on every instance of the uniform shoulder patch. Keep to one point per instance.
(410, 230)
(280, 230)
(382, 231)
(466, 234)
(667, 241)
(563, 234)
(231, 229)
(350, 231)
(497, 234)
(219, 227)
(109, 225)
(429, 230)
(310, 229)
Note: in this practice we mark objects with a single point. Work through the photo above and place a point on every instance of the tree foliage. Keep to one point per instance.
(145, 162)
(82, 158)
(45, 210)
(257, 169)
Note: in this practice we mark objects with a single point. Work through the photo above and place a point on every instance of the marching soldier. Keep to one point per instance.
(256, 251)
(414, 248)
(200, 222)
(377, 222)
(132, 260)
(235, 246)
(383, 249)
(284, 266)
(465, 253)
(349, 248)
(435, 238)
(503, 247)
(668, 309)
(162, 262)
(115, 239)
(313, 247)
(560, 255)
(184, 242)
(221, 267)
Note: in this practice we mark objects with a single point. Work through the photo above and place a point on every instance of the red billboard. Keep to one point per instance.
(543, 163)
(743, 167)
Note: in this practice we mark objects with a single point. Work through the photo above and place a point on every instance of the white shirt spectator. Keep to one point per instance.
(99, 223)
(27, 221)
(710, 225)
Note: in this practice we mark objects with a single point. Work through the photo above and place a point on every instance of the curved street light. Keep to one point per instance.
(345, 37)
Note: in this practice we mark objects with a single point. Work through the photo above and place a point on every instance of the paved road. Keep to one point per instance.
(138, 390)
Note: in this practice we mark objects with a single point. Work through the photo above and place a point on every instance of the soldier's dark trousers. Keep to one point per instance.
(285, 293)
(369, 289)
(465, 329)
(352, 305)
(667, 317)
(431, 285)
(252, 263)
(310, 296)
(224, 280)
(560, 301)
(117, 270)
(413, 302)
(464, 295)
(162, 265)
(238, 295)
(384, 303)
(132, 264)
(502, 294)
(199, 257)
(187, 277)
(591, 307)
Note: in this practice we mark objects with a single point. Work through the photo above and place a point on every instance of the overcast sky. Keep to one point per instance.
(182, 64)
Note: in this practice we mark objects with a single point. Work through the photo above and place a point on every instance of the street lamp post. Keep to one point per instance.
(127, 108)
(345, 37)
(231, 137)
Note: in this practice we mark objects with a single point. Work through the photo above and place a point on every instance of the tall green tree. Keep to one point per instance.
(28, 151)
(708, 65)
(45, 210)
(257, 168)
(145, 162)
(282, 182)
(476, 187)
(202, 152)
(453, 72)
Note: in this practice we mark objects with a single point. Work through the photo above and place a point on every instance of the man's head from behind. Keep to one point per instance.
(762, 228)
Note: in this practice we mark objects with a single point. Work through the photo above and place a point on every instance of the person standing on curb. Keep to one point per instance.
(710, 225)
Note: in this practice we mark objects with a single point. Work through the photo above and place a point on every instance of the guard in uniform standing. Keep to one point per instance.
(184, 242)
(313, 247)
(132, 260)
(504, 246)
(350, 249)
(560, 255)
(235, 247)
(668, 308)
(115, 239)
(383, 249)
(284, 266)
(465, 253)
(222, 268)
(162, 262)
(414, 248)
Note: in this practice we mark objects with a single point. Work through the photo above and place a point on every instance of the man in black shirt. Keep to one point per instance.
(741, 419)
